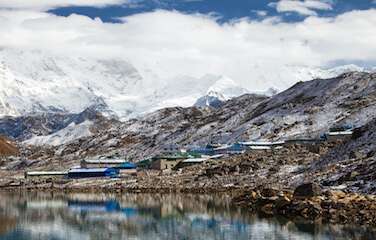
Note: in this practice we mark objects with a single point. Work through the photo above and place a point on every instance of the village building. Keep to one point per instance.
(201, 150)
(124, 167)
(261, 143)
(46, 174)
(339, 133)
(104, 163)
(92, 172)
(189, 162)
(335, 136)
(145, 163)
(262, 146)
(165, 162)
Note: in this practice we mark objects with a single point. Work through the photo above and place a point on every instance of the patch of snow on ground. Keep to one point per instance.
(66, 135)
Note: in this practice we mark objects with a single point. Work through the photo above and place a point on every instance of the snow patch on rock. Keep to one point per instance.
(66, 135)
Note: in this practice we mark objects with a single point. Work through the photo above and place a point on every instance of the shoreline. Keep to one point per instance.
(321, 206)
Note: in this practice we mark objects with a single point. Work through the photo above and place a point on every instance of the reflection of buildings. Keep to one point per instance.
(145, 216)
(110, 206)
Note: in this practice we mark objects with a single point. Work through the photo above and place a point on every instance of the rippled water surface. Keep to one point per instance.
(149, 216)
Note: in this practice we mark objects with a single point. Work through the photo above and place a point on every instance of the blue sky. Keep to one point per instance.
(225, 9)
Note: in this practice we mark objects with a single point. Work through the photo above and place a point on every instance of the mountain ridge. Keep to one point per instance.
(35, 81)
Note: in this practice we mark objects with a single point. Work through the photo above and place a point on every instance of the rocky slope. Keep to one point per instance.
(305, 110)
(29, 126)
(351, 165)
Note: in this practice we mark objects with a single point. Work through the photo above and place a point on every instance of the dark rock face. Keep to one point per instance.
(307, 190)
(209, 101)
(21, 128)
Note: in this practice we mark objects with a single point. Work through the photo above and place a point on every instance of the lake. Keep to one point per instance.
(150, 216)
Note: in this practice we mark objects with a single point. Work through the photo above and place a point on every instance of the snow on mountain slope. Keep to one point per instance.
(34, 81)
(185, 91)
(66, 135)
(222, 90)
(227, 88)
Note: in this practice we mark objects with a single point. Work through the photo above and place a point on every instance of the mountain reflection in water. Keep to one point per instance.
(149, 216)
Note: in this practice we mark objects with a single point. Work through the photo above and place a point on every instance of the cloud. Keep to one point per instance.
(306, 7)
(260, 13)
(163, 44)
(50, 4)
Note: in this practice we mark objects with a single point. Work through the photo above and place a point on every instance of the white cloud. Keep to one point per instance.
(171, 43)
(49, 4)
(306, 7)
(260, 13)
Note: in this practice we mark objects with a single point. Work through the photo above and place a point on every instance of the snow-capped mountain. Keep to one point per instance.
(222, 90)
(226, 88)
(37, 82)
(34, 81)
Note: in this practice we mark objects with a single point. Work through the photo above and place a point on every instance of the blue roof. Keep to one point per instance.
(127, 165)
(88, 170)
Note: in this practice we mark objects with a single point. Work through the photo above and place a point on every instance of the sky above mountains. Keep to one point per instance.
(225, 10)
(245, 40)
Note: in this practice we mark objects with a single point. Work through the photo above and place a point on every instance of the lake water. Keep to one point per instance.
(149, 216)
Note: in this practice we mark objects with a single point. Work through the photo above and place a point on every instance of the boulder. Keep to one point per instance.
(267, 209)
(307, 190)
(355, 154)
(282, 203)
(310, 210)
(269, 192)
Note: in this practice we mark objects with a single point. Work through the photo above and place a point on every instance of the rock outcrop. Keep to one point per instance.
(328, 206)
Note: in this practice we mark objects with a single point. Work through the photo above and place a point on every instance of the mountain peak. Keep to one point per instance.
(226, 88)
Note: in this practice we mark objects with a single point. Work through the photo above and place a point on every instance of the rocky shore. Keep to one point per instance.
(309, 202)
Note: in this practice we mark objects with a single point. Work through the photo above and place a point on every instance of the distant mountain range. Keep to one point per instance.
(34, 82)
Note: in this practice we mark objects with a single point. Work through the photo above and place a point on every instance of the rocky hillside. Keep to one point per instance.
(305, 110)
(351, 165)
(26, 127)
